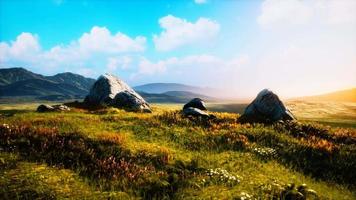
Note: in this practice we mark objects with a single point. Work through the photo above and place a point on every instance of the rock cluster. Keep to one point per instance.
(48, 108)
(266, 108)
(109, 90)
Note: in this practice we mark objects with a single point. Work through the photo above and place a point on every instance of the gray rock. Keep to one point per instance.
(45, 108)
(61, 107)
(195, 103)
(266, 108)
(196, 108)
(48, 108)
(195, 112)
(109, 90)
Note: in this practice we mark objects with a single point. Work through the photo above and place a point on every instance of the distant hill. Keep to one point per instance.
(19, 82)
(343, 95)
(159, 88)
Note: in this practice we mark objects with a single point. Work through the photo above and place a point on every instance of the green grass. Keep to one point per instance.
(112, 153)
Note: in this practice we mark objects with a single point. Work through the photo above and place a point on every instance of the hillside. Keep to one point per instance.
(343, 95)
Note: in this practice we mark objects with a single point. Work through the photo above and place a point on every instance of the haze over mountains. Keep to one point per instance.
(19, 83)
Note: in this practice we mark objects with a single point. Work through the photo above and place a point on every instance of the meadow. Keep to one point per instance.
(109, 153)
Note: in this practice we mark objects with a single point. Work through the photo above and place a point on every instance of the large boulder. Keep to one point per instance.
(266, 108)
(109, 90)
(195, 103)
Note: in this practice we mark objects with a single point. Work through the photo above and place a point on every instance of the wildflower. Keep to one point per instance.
(222, 176)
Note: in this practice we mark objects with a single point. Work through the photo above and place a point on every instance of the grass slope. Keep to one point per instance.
(343, 96)
(112, 153)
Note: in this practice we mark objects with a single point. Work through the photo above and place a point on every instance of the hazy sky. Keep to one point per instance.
(293, 47)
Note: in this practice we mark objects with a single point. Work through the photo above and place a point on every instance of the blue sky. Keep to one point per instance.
(293, 47)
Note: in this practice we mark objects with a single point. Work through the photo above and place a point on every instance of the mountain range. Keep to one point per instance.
(18, 83)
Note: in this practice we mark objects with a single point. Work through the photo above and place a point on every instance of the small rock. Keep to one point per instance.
(48, 108)
(61, 107)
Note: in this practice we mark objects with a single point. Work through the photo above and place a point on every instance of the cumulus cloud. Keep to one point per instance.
(285, 12)
(179, 32)
(98, 43)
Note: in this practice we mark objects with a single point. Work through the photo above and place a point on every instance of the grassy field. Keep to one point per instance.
(337, 114)
(113, 154)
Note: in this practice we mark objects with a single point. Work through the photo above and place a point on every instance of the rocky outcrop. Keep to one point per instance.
(109, 90)
(48, 108)
(266, 108)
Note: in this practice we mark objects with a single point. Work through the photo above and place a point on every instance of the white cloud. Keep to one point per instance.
(200, 1)
(94, 47)
(24, 48)
(122, 62)
(101, 40)
(293, 12)
(179, 32)
(148, 67)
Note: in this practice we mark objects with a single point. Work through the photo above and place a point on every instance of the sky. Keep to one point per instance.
(293, 47)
